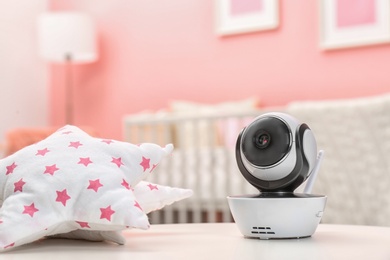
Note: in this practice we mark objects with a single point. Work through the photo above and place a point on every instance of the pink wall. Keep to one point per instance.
(153, 52)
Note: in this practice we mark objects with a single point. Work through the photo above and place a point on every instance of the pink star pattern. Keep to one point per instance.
(75, 144)
(42, 152)
(94, 185)
(30, 210)
(152, 187)
(153, 167)
(67, 132)
(83, 224)
(117, 161)
(107, 141)
(106, 213)
(145, 163)
(19, 185)
(10, 245)
(62, 196)
(125, 184)
(137, 205)
(85, 161)
(10, 168)
(51, 169)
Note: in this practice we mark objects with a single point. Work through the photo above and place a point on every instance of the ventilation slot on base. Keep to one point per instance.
(262, 230)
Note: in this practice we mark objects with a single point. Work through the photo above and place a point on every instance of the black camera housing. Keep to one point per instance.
(276, 145)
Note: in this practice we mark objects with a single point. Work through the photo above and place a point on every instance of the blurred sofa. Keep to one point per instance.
(355, 174)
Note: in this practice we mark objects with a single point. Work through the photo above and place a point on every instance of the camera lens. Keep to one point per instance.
(262, 139)
(265, 141)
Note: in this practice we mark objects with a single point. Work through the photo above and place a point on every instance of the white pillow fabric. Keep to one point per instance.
(74, 184)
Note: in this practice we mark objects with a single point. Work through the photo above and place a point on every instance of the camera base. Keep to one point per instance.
(277, 215)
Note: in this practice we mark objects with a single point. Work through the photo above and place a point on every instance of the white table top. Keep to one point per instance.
(216, 241)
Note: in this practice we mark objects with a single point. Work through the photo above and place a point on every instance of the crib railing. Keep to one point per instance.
(203, 160)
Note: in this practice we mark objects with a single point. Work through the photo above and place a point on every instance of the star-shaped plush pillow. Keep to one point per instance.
(77, 186)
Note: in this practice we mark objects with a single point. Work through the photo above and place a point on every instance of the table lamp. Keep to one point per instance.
(67, 38)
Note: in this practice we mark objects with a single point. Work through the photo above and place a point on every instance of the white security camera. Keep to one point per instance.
(276, 154)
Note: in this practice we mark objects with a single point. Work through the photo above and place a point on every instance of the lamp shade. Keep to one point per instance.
(67, 36)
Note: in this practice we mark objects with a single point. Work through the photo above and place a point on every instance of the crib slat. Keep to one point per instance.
(196, 204)
(182, 207)
(226, 216)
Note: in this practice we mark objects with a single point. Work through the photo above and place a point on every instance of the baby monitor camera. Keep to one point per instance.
(276, 154)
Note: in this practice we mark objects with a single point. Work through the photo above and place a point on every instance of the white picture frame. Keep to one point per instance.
(334, 34)
(264, 15)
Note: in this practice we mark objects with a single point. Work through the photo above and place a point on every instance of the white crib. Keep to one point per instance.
(203, 160)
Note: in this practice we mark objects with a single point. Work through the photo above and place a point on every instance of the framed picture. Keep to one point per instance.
(243, 16)
(352, 23)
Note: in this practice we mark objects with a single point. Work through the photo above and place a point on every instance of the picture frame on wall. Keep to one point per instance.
(244, 16)
(353, 23)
